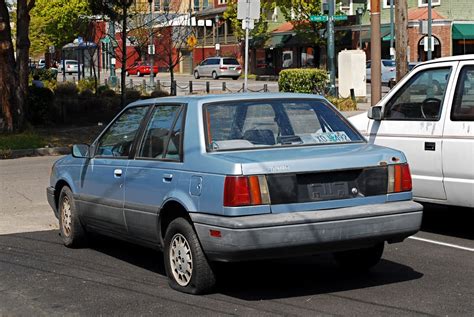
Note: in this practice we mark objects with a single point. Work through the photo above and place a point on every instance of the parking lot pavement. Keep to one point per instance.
(429, 275)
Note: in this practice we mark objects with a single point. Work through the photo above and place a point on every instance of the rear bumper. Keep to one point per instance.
(303, 233)
(229, 73)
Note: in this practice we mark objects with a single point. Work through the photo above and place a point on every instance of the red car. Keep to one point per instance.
(140, 69)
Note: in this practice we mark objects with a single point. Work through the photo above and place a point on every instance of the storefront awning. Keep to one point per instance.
(277, 40)
(463, 31)
(384, 32)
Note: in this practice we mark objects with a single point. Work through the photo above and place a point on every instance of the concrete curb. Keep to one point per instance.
(12, 154)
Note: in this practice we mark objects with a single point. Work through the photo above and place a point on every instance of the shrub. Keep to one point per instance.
(306, 80)
(45, 74)
(107, 93)
(343, 104)
(87, 84)
(66, 89)
(159, 93)
(40, 102)
(101, 89)
(86, 94)
(132, 95)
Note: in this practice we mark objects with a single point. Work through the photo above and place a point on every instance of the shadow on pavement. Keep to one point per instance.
(304, 276)
(448, 220)
(128, 264)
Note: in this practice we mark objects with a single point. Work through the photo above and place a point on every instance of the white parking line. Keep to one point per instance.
(443, 243)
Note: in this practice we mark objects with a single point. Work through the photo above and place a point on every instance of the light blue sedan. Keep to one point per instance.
(235, 178)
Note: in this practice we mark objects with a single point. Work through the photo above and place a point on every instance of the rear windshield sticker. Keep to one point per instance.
(330, 137)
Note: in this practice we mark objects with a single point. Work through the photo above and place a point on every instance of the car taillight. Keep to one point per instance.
(238, 68)
(399, 178)
(245, 191)
(223, 67)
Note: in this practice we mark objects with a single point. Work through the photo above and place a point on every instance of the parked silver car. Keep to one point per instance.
(387, 68)
(217, 67)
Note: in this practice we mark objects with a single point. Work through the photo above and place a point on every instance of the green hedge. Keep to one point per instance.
(302, 80)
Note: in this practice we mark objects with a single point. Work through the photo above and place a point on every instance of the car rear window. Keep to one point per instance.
(275, 123)
(388, 63)
(230, 61)
(71, 62)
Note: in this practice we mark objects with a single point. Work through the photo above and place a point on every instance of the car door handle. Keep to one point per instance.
(167, 178)
(430, 146)
(118, 172)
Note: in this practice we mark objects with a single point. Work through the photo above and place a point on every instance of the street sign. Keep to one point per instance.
(151, 49)
(318, 18)
(248, 9)
(425, 43)
(340, 17)
(248, 24)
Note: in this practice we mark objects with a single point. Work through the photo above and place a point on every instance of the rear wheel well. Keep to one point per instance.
(170, 211)
(57, 191)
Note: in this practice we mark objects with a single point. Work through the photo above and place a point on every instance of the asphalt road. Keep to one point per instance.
(39, 276)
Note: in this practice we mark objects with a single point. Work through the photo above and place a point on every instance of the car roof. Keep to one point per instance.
(456, 58)
(225, 97)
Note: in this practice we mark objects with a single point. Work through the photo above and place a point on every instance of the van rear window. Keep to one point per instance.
(230, 61)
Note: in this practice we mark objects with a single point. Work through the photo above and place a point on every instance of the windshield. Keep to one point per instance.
(254, 124)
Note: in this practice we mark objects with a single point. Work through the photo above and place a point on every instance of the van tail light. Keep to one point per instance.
(399, 178)
(245, 191)
(223, 67)
(238, 68)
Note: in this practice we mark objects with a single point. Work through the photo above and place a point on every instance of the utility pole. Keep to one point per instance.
(392, 31)
(429, 56)
(375, 53)
(401, 22)
(330, 48)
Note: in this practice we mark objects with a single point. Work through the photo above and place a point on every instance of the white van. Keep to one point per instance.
(429, 115)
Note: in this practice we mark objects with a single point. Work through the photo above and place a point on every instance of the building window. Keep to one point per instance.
(424, 3)
(386, 4)
(196, 5)
(222, 1)
(157, 5)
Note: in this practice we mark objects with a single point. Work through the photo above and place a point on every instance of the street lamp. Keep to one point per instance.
(359, 12)
(216, 19)
(151, 47)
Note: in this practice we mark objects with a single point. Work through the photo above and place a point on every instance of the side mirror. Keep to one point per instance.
(375, 113)
(81, 150)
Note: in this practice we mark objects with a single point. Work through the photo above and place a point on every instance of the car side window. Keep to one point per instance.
(118, 140)
(204, 62)
(158, 133)
(214, 61)
(463, 103)
(421, 98)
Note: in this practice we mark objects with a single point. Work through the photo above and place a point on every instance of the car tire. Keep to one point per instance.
(196, 75)
(139, 74)
(214, 75)
(186, 265)
(235, 78)
(360, 259)
(72, 232)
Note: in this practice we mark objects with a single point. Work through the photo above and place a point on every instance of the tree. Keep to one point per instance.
(174, 31)
(117, 11)
(261, 27)
(14, 71)
(57, 22)
(401, 25)
(299, 12)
